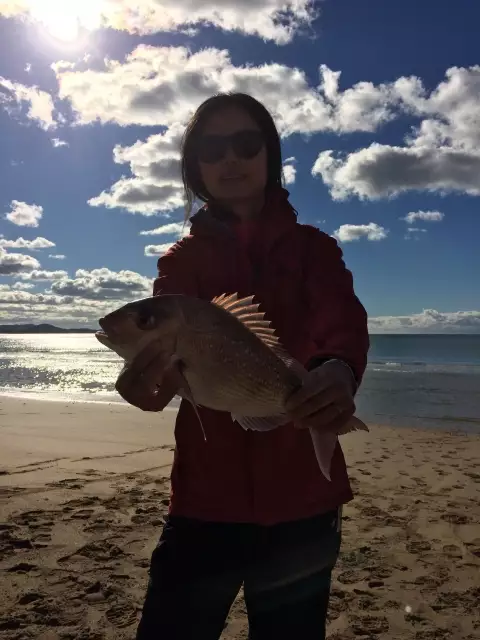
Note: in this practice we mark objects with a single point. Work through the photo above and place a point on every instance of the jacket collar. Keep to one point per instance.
(277, 218)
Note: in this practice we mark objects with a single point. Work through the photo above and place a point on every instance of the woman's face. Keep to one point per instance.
(232, 156)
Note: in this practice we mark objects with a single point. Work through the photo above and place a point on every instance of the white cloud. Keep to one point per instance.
(277, 20)
(380, 171)
(13, 297)
(22, 286)
(23, 214)
(441, 155)
(155, 185)
(429, 321)
(14, 95)
(103, 284)
(43, 275)
(57, 256)
(289, 171)
(30, 245)
(413, 233)
(427, 216)
(177, 229)
(164, 85)
(154, 250)
(28, 67)
(155, 165)
(81, 299)
(56, 143)
(352, 232)
(137, 196)
(16, 263)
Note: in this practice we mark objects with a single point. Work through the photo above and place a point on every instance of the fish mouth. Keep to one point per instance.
(105, 332)
(104, 338)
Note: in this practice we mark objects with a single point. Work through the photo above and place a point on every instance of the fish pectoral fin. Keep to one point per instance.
(175, 374)
(354, 424)
(324, 444)
(268, 423)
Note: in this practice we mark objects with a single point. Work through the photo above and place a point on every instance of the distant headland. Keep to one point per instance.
(41, 328)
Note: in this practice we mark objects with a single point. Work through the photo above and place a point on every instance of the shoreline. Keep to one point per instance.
(32, 396)
(437, 424)
(84, 490)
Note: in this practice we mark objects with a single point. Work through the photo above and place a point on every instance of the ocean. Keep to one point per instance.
(427, 381)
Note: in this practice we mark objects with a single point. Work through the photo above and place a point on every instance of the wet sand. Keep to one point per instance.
(84, 491)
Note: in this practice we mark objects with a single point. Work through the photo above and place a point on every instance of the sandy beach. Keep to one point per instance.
(84, 490)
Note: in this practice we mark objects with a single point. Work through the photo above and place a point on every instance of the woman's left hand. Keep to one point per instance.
(326, 399)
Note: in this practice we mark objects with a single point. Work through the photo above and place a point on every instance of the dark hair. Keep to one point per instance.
(192, 181)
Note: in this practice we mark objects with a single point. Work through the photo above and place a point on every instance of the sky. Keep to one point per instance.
(377, 103)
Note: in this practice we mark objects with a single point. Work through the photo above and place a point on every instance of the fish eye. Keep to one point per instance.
(145, 320)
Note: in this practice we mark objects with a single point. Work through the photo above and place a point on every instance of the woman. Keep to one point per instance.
(247, 507)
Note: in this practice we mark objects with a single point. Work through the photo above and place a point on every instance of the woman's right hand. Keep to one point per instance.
(137, 382)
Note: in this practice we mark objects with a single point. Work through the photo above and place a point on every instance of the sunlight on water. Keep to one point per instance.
(58, 364)
(410, 380)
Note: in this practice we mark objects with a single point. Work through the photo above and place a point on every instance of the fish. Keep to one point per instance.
(221, 354)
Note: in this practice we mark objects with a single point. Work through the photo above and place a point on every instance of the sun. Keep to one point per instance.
(65, 20)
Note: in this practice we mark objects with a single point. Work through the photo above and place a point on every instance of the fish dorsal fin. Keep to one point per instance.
(244, 310)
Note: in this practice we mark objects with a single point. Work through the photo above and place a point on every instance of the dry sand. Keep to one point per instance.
(84, 490)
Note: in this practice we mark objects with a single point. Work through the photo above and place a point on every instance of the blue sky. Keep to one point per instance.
(378, 104)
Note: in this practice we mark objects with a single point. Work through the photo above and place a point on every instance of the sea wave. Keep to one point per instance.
(450, 368)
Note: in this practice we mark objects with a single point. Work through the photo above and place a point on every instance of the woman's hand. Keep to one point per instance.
(325, 401)
(138, 381)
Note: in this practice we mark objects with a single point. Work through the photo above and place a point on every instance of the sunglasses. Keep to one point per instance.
(245, 144)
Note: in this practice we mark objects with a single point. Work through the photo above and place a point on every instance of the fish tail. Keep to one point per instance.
(324, 444)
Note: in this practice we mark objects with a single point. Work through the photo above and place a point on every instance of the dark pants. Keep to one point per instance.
(197, 570)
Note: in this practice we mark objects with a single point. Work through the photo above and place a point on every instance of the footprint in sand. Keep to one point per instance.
(23, 567)
(339, 601)
(12, 623)
(10, 543)
(379, 572)
(434, 633)
(86, 501)
(373, 513)
(69, 483)
(351, 576)
(368, 625)
(35, 519)
(29, 597)
(367, 602)
(99, 551)
(122, 614)
(474, 547)
(454, 518)
(429, 581)
(452, 551)
(82, 514)
(418, 546)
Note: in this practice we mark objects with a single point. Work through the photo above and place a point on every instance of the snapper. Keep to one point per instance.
(223, 355)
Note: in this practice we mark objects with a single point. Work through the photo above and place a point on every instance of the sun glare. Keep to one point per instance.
(64, 20)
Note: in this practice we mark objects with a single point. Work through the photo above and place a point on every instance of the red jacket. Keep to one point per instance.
(298, 274)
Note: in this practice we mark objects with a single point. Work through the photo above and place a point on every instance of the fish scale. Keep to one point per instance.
(240, 385)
